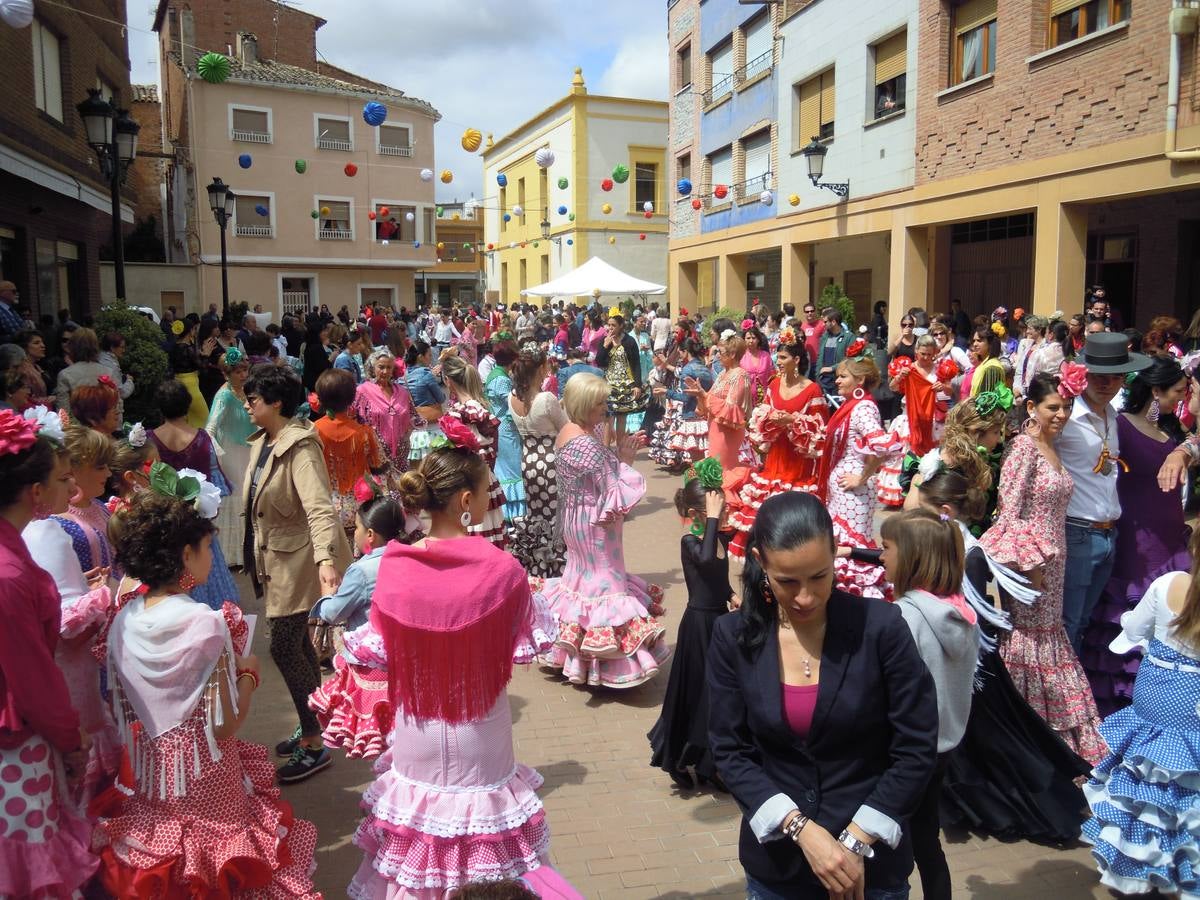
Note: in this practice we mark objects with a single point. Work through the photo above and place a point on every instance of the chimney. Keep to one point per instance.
(247, 48)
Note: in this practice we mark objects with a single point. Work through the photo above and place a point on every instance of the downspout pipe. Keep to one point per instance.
(1182, 22)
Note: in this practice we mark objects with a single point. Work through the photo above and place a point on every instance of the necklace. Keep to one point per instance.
(1106, 461)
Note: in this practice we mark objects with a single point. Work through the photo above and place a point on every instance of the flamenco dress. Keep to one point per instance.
(195, 815)
(729, 404)
(391, 416)
(536, 539)
(608, 633)
(1145, 794)
(679, 739)
(793, 454)
(486, 427)
(507, 465)
(351, 451)
(915, 432)
(1152, 540)
(229, 427)
(688, 440)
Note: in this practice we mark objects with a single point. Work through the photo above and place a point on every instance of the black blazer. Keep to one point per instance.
(873, 739)
(632, 356)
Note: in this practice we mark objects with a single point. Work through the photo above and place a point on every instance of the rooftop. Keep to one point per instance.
(144, 93)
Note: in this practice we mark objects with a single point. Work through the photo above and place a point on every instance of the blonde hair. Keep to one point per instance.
(929, 552)
(861, 367)
(1187, 623)
(735, 345)
(88, 447)
(464, 377)
(581, 395)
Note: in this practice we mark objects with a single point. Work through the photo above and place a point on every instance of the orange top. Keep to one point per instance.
(351, 450)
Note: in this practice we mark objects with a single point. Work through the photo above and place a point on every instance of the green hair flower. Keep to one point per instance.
(710, 473)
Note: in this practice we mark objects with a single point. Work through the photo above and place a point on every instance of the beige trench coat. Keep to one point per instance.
(295, 526)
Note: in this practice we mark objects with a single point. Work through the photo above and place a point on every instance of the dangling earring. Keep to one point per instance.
(858, 394)
(187, 581)
(768, 595)
(465, 520)
(1153, 412)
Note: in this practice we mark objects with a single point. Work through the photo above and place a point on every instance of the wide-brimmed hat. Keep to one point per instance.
(1108, 354)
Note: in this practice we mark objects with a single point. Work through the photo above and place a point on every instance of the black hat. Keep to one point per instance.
(1108, 354)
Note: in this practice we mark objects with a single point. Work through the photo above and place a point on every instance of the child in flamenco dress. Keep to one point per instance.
(199, 813)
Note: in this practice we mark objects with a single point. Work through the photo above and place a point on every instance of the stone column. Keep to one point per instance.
(1059, 257)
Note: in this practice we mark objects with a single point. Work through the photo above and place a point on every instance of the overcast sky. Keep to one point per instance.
(487, 64)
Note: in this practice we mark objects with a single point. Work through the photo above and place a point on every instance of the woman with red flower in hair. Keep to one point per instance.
(919, 429)
(97, 406)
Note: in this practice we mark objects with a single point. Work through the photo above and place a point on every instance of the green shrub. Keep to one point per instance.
(144, 359)
(833, 295)
(723, 312)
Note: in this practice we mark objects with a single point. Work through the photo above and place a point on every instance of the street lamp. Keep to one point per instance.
(545, 226)
(113, 135)
(814, 154)
(221, 200)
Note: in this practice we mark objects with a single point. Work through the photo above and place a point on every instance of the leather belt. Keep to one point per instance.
(1095, 526)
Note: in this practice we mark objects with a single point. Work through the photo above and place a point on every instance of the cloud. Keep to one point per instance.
(639, 69)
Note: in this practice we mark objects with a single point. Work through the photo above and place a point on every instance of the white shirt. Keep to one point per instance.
(444, 332)
(660, 332)
(1095, 495)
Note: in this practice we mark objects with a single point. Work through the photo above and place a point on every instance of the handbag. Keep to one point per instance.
(321, 634)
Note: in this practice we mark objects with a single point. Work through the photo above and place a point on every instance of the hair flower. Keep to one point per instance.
(947, 370)
(1072, 380)
(787, 337)
(137, 435)
(49, 424)
(709, 471)
(233, 356)
(748, 324)
(1000, 312)
(857, 346)
(930, 465)
(187, 485)
(366, 489)
(208, 496)
(998, 329)
(16, 433)
(314, 402)
(898, 365)
(107, 381)
(177, 327)
(727, 334)
(614, 311)
(458, 433)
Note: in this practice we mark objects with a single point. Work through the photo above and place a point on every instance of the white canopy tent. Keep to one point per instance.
(592, 278)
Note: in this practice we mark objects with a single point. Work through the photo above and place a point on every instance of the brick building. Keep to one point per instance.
(55, 208)
(148, 177)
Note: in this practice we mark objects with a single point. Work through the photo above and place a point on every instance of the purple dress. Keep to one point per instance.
(1152, 540)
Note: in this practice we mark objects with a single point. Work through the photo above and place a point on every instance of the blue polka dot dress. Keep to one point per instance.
(1145, 795)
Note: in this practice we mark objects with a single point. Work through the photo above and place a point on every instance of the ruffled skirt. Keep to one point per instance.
(533, 540)
(354, 709)
(688, 441)
(659, 449)
(752, 495)
(492, 526)
(1145, 795)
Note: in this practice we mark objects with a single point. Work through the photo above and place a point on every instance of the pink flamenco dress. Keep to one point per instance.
(1029, 533)
(199, 816)
(451, 805)
(44, 841)
(728, 404)
(608, 633)
(793, 454)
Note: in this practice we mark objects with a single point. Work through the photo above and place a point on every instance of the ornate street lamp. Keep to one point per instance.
(814, 154)
(221, 200)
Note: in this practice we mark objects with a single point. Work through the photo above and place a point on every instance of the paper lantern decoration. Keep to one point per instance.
(648, 214)
(544, 158)
(720, 192)
(794, 200)
(374, 113)
(441, 245)
(606, 208)
(606, 184)
(315, 214)
(213, 67)
(262, 210)
(301, 166)
(456, 217)
(641, 237)
(620, 173)
(371, 215)
(466, 246)
(441, 210)
(535, 245)
(562, 183)
(447, 176)
(696, 204)
(523, 245)
(324, 210)
(518, 210)
(612, 240)
(766, 198)
(471, 139)
(502, 180)
(384, 212)
(570, 242)
(245, 161)
(684, 187)
(416, 245)
(17, 13)
(427, 174)
(351, 170)
(491, 246)
(571, 217)
(648, 207)
(507, 217)
(408, 217)
(512, 244)
(562, 210)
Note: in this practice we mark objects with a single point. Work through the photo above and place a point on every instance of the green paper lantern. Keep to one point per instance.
(620, 173)
(315, 214)
(466, 246)
(562, 183)
(301, 167)
(213, 67)
(535, 244)
(440, 211)
(571, 217)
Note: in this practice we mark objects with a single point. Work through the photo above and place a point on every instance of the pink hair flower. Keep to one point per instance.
(458, 434)
(17, 434)
(1072, 380)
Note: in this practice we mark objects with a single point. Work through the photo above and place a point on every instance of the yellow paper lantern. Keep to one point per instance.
(606, 208)
(324, 210)
(794, 200)
(471, 140)
(612, 240)
(456, 217)
(441, 246)
(447, 176)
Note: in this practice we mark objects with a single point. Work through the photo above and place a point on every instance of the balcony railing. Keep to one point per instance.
(261, 231)
(751, 187)
(719, 90)
(334, 144)
(385, 150)
(756, 66)
(295, 302)
(251, 137)
(333, 234)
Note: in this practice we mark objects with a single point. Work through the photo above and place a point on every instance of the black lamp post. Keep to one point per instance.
(222, 201)
(545, 226)
(113, 135)
(814, 154)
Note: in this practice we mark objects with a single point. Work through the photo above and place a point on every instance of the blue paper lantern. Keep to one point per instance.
(507, 217)
(262, 210)
(569, 242)
(502, 180)
(684, 187)
(416, 245)
(245, 161)
(562, 210)
(374, 113)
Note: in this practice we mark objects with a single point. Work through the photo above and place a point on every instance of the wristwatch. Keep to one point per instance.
(855, 846)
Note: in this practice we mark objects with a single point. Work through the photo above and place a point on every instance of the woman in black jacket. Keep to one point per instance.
(822, 719)
(618, 356)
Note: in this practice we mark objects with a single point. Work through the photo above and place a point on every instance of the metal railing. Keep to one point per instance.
(756, 66)
(333, 234)
(295, 302)
(718, 90)
(254, 231)
(251, 137)
(385, 150)
(334, 144)
(751, 186)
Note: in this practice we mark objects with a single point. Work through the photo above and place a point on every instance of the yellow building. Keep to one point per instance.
(541, 221)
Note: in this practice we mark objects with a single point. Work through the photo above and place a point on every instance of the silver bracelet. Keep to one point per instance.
(855, 846)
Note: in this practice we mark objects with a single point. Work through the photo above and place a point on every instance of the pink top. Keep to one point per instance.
(799, 704)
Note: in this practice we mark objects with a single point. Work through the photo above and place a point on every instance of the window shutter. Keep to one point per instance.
(250, 120)
(758, 159)
(810, 110)
(827, 97)
(245, 213)
(972, 14)
(1058, 7)
(891, 57)
(758, 38)
(722, 64)
(722, 167)
(334, 130)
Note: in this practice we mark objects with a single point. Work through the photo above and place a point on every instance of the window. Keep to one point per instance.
(756, 151)
(814, 109)
(524, 274)
(396, 225)
(721, 167)
(296, 295)
(105, 89)
(333, 133)
(891, 63)
(720, 68)
(335, 223)
(1071, 19)
(974, 40)
(683, 66)
(250, 124)
(758, 47)
(253, 215)
(683, 167)
(503, 209)
(521, 193)
(394, 140)
(645, 184)
(47, 71)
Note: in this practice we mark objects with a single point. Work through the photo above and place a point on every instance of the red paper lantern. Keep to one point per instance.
(606, 184)
(649, 215)
(696, 204)
(641, 237)
(491, 246)
(351, 170)
(384, 211)
(371, 216)
(720, 192)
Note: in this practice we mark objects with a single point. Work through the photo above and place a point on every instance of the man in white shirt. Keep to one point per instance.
(660, 332)
(1090, 451)
(444, 332)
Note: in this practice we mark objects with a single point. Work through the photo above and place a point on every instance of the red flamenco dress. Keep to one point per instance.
(793, 453)
(199, 816)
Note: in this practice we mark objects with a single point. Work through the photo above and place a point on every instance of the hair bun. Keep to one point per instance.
(414, 490)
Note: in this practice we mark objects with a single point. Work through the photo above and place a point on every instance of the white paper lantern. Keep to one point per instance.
(518, 210)
(408, 217)
(648, 207)
(17, 13)
(766, 198)
(544, 157)
(427, 174)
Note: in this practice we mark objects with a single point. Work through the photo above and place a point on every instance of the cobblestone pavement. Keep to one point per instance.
(621, 829)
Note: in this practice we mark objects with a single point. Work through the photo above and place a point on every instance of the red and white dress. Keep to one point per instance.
(486, 427)
(353, 706)
(793, 453)
(918, 430)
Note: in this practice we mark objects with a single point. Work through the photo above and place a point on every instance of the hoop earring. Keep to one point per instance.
(187, 581)
(858, 394)
(465, 520)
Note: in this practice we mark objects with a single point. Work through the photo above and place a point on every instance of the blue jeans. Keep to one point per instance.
(756, 890)
(1090, 556)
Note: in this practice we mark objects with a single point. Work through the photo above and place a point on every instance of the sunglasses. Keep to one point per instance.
(907, 324)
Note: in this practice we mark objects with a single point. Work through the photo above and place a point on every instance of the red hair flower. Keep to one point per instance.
(17, 434)
(1072, 380)
(857, 346)
(947, 370)
(898, 365)
(747, 324)
(314, 402)
(458, 434)
(365, 490)
(107, 381)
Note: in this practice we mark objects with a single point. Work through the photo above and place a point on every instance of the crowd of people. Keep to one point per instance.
(1018, 653)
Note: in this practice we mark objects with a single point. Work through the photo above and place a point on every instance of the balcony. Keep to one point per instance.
(334, 144)
(755, 67)
(254, 231)
(333, 234)
(385, 150)
(251, 137)
(295, 303)
(718, 90)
